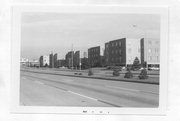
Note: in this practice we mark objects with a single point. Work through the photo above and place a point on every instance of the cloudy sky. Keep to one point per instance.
(43, 33)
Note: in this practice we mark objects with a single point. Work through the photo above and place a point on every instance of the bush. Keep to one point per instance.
(90, 72)
(116, 72)
(136, 64)
(128, 74)
(143, 74)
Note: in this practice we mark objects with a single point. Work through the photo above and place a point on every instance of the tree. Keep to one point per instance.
(116, 72)
(128, 74)
(136, 64)
(143, 74)
(90, 73)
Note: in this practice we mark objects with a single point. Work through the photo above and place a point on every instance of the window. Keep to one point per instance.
(120, 43)
(149, 50)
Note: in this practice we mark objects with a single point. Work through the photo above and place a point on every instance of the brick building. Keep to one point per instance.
(121, 52)
(51, 60)
(55, 60)
(76, 59)
(115, 52)
(69, 59)
(94, 56)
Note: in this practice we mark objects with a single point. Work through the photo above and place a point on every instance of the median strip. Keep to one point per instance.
(95, 77)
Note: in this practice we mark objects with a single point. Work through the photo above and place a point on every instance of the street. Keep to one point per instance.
(38, 89)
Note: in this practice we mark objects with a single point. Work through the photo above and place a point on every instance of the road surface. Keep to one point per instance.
(54, 90)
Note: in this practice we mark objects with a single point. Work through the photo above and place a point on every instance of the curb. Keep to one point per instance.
(110, 79)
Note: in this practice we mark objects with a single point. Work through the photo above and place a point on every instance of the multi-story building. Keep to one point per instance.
(55, 61)
(76, 59)
(69, 59)
(115, 52)
(150, 52)
(133, 50)
(61, 63)
(94, 56)
(122, 52)
(41, 61)
(51, 60)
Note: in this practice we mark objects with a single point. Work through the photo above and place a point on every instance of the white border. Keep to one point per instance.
(15, 65)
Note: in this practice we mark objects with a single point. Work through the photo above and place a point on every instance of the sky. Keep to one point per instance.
(43, 33)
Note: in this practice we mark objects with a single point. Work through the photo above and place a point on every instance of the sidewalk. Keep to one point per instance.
(96, 75)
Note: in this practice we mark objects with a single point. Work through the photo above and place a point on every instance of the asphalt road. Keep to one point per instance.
(55, 90)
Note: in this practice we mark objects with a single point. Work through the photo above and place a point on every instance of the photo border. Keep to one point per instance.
(16, 11)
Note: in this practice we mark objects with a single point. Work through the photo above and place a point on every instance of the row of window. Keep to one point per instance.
(155, 50)
(94, 55)
(94, 50)
(118, 43)
(116, 60)
(153, 58)
(116, 52)
(150, 42)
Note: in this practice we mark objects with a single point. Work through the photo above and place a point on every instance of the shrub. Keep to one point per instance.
(128, 74)
(136, 64)
(90, 72)
(143, 74)
(116, 72)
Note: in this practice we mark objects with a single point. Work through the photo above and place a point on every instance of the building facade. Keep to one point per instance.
(122, 52)
(150, 52)
(69, 59)
(94, 56)
(41, 61)
(51, 60)
(76, 59)
(115, 52)
(133, 50)
(56, 60)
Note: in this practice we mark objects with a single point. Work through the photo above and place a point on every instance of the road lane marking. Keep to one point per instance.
(83, 95)
(134, 90)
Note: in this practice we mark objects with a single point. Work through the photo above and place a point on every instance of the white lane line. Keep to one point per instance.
(38, 82)
(83, 95)
(134, 90)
